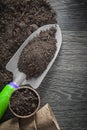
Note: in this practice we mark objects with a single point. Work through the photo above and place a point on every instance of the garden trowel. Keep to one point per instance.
(19, 78)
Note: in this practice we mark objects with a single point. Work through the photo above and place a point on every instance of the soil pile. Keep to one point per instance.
(38, 53)
(18, 19)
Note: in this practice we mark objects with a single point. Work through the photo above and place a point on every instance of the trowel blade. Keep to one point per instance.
(12, 65)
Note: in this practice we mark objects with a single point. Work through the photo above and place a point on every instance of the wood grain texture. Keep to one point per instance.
(65, 86)
(72, 14)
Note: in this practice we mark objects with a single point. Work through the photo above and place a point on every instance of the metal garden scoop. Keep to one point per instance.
(19, 78)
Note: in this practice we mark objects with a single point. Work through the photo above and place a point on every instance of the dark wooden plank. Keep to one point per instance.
(64, 88)
(72, 15)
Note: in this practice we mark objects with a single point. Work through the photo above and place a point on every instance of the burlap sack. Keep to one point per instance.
(11, 124)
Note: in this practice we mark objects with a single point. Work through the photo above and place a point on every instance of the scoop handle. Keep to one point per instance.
(5, 95)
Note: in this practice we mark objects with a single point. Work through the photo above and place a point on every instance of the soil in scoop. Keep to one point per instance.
(18, 19)
(24, 102)
(38, 53)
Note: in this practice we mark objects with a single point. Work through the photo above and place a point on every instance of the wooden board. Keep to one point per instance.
(65, 86)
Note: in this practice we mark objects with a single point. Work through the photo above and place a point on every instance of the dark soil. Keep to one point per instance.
(24, 102)
(18, 19)
(38, 53)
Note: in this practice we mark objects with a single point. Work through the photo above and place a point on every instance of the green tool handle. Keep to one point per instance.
(5, 95)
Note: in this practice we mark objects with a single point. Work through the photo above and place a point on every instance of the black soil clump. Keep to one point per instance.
(18, 19)
(24, 102)
(38, 53)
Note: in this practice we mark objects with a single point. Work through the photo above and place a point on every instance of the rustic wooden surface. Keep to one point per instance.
(65, 86)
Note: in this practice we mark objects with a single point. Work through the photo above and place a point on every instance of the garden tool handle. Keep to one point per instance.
(5, 95)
